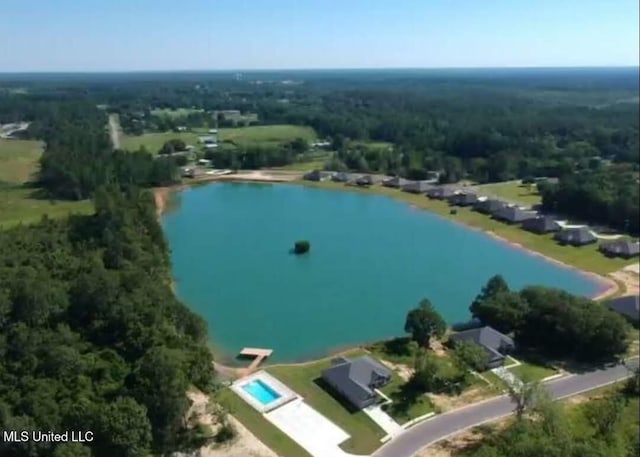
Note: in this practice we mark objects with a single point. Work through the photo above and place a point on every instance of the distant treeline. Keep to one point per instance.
(92, 337)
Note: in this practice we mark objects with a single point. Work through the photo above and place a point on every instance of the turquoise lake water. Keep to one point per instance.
(372, 258)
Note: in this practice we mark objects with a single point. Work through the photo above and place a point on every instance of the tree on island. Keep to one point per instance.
(301, 247)
(424, 322)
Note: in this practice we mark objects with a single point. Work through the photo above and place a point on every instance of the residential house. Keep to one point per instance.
(441, 193)
(357, 379)
(341, 177)
(620, 248)
(628, 306)
(513, 215)
(463, 199)
(365, 180)
(314, 175)
(489, 206)
(576, 236)
(396, 182)
(541, 224)
(417, 187)
(496, 345)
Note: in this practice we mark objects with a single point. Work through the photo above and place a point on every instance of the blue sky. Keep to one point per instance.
(124, 35)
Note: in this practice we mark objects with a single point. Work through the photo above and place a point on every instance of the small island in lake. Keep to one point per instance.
(301, 247)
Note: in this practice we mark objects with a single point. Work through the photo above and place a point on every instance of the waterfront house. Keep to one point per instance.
(441, 193)
(365, 180)
(396, 182)
(620, 248)
(495, 344)
(340, 177)
(513, 215)
(541, 224)
(314, 175)
(463, 199)
(580, 236)
(489, 206)
(416, 187)
(357, 379)
(628, 306)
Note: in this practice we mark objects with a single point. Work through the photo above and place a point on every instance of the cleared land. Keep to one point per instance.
(585, 258)
(242, 136)
(512, 191)
(180, 112)
(20, 202)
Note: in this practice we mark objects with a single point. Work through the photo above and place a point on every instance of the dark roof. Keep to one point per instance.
(492, 340)
(396, 181)
(365, 180)
(576, 236)
(628, 306)
(417, 187)
(341, 177)
(542, 224)
(463, 199)
(489, 206)
(513, 214)
(441, 192)
(314, 175)
(623, 248)
(353, 377)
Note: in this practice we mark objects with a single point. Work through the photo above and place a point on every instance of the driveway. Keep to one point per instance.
(445, 425)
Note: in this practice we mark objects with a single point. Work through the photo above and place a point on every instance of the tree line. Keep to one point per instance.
(91, 335)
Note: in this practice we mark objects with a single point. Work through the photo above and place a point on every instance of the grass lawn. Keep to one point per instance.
(305, 380)
(585, 258)
(530, 372)
(266, 432)
(241, 136)
(17, 205)
(513, 191)
(405, 407)
(18, 160)
(18, 164)
(372, 145)
(304, 166)
(396, 350)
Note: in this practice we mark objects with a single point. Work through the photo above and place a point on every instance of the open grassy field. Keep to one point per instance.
(372, 145)
(512, 191)
(403, 408)
(530, 372)
(305, 380)
(241, 136)
(18, 160)
(19, 202)
(586, 258)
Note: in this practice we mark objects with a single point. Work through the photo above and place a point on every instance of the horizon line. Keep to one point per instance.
(303, 69)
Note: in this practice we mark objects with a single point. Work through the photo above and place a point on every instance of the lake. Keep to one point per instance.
(372, 258)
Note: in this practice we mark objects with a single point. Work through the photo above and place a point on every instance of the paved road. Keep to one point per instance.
(445, 425)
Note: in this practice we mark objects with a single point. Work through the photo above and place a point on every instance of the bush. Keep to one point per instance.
(301, 247)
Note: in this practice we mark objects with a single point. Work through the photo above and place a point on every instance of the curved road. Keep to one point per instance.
(447, 424)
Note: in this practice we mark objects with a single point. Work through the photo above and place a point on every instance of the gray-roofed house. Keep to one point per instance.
(417, 187)
(314, 175)
(580, 236)
(628, 306)
(463, 199)
(494, 343)
(513, 215)
(542, 224)
(357, 379)
(365, 180)
(489, 206)
(441, 193)
(341, 177)
(395, 182)
(620, 248)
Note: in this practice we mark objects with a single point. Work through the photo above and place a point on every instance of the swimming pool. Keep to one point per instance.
(261, 391)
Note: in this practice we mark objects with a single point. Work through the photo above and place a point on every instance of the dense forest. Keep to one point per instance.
(91, 335)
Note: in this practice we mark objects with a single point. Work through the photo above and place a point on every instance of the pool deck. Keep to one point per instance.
(285, 394)
(259, 353)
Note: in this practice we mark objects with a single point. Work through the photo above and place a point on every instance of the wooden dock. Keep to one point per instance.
(259, 354)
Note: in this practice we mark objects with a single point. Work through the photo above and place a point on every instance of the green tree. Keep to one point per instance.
(424, 323)
(470, 356)
(122, 428)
